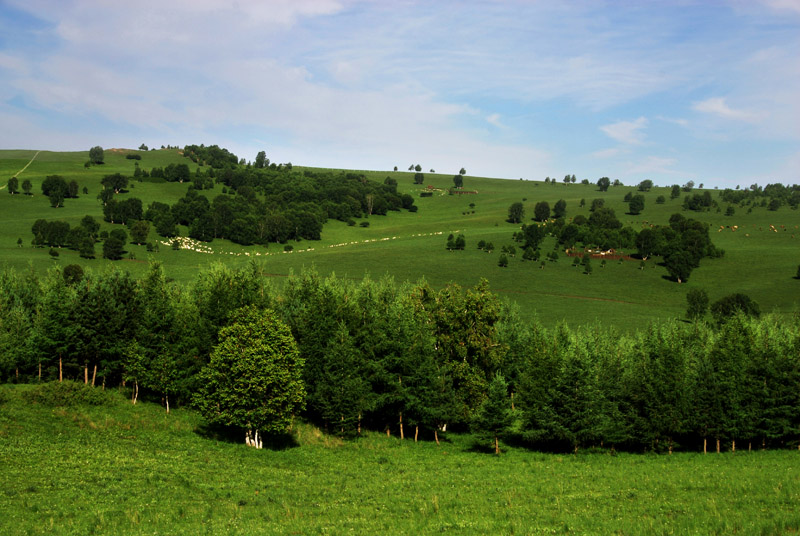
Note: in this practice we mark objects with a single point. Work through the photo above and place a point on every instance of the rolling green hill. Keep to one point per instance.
(762, 247)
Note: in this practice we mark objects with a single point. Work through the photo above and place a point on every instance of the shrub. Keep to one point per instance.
(67, 393)
(364, 224)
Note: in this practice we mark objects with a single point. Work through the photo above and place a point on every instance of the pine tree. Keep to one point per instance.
(493, 418)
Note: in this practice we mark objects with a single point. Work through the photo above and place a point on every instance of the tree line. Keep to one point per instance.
(292, 206)
(407, 359)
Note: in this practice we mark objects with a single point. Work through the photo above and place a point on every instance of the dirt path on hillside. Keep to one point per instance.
(26, 165)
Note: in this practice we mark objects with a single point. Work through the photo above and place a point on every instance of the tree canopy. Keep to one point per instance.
(254, 378)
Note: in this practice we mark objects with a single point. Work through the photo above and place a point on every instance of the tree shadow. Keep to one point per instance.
(234, 434)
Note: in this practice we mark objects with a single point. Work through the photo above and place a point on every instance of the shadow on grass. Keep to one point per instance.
(234, 434)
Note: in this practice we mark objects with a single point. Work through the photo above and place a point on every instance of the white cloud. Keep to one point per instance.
(674, 121)
(717, 106)
(494, 119)
(627, 132)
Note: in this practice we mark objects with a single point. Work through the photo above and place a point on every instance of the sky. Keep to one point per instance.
(670, 91)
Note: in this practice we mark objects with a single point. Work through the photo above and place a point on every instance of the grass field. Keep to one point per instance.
(409, 246)
(123, 469)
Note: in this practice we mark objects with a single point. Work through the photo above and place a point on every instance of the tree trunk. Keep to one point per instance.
(717, 445)
(749, 446)
(40, 371)
(135, 391)
(388, 432)
(436, 435)
(496, 446)
(705, 445)
(166, 397)
(359, 424)
(85, 373)
(94, 374)
(402, 435)
(733, 446)
(670, 446)
(512, 400)
(416, 433)
(60, 370)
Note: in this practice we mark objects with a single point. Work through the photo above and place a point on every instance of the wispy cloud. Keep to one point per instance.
(627, 132)
(494, 120)
(717, 106)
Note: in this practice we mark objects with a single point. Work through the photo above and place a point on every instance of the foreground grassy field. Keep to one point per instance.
(124, 469)
(759, 261)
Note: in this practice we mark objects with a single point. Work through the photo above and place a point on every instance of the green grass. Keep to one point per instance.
(409, 246)
(124, 469)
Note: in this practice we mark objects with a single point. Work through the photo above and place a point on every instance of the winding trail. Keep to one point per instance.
(28, 164)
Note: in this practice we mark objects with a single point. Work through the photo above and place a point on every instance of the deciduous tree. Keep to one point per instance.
(254, 378)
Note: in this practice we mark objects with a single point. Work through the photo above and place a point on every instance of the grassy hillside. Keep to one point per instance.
(758, 260)
(124, 469)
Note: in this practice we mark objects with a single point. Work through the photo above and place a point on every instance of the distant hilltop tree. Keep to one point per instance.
(96, 155)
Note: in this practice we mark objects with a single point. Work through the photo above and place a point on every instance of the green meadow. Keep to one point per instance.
(123, 469)
(759, 260)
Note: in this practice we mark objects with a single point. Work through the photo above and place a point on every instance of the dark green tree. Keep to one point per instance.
(27, 186)
(13, 185)
(96, 155)
(493, 418)
(603, 183)
(113, 248)
(636, 204)
(727, 307)
(696, 303)
(139, 231)
(458, 181)
(560, 209)
(516, 213)
(541, 212)
(679, 265)
(645, 185)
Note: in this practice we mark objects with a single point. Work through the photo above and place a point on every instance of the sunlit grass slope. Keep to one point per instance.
(123, 469)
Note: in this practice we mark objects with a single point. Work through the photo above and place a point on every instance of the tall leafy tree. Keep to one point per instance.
(516, 213)
(96, 155)
(541, 211)
(254, 378)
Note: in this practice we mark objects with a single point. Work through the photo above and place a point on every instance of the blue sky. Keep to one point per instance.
(669, 91)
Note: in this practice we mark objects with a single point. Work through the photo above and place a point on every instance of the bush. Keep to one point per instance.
(67, 393)
(364, 224)
(133, 156)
